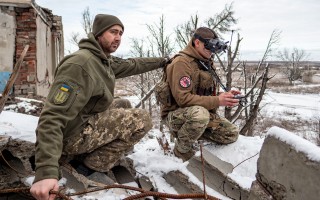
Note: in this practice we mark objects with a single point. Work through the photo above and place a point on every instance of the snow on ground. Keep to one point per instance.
(150, 160)
(306, 106)
(245, 149)
(18, 125)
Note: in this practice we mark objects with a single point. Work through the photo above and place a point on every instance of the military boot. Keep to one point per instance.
(184, 156)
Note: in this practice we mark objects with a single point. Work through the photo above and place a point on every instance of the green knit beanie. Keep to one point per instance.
(102, 22)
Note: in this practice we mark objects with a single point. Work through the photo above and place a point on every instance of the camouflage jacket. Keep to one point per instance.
(189, 84)
(83, 86)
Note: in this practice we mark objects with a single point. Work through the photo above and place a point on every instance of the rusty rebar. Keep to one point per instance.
(142, 194)
(203, 174)
(172, 196)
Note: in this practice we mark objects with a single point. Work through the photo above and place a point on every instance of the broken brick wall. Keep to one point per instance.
(26, 34)
(42, 31)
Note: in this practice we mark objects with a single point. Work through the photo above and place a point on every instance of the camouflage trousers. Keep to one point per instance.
(192, 123)
(109, 135)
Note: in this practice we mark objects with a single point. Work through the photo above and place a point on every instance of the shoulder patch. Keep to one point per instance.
(62, 94)
(185, 81)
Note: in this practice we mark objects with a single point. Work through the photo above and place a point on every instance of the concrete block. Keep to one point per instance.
(257, 192)
(180, 182)
(215, 161)
(288, 173)
(217, 180)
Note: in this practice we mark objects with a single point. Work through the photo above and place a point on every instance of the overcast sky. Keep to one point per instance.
(297, 20)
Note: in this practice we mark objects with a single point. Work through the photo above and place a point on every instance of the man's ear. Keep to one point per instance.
(98, 38)
(196, 42)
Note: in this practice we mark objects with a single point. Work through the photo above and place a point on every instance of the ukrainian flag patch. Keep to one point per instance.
(65, 87)
(62, 94)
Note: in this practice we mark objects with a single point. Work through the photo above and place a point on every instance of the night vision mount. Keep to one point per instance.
(214, 45)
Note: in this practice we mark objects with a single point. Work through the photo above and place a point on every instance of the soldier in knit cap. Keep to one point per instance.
(76, 121)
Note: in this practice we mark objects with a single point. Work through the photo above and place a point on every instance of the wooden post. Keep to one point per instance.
(12, 78)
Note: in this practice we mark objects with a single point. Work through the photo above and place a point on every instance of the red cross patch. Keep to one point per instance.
(185, 81)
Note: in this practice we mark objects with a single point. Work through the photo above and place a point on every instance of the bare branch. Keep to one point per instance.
(223, 21)
(273, 40)
(184, 31)
(87, 21)
(75, 38)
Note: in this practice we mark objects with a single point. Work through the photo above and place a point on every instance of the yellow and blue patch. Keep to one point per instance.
(65, 87)
(62, 94)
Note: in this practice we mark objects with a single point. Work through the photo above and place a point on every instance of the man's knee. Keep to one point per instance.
(198, 114)
(224, 133)
(232, 135)
(135, 123)
(120, 103)
(141, 118)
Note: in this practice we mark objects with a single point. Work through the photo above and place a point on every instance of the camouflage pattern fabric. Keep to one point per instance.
(108, 136)
(187, 125)
(191, 123)
(220, 130)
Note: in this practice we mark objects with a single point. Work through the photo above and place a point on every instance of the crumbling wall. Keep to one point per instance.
(7, 41)
(50, 50)
(25, 23)
(26, 34)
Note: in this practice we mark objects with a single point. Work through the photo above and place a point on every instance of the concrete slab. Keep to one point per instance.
(286, 172)
(217, 180)
(216, 162)
(180, 182)
(124, 176)
(146, 184)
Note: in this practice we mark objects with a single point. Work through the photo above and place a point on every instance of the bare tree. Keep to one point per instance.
(257, 85)
(184, 31)
(292, 61)
(229, 68)
(223, 21)
(138, 51)
(75, 38)
(158, 40)
(159, 45)
(87, 21)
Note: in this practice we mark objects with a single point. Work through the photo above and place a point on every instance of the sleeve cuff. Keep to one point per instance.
(215, 102)
(46, 173)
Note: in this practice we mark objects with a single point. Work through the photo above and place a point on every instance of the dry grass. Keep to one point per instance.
(313, 89)
(307, 129)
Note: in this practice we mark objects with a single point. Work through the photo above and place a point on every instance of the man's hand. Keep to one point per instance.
(227, 99)
(40, 190)
(234, 92)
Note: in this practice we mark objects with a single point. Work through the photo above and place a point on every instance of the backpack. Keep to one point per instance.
(162, 90)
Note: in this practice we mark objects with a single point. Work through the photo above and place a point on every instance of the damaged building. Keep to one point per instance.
(23, 22)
